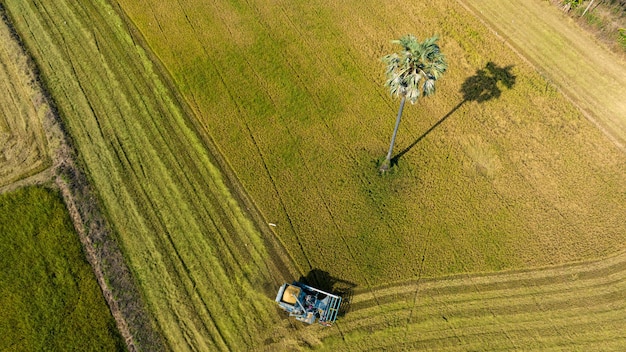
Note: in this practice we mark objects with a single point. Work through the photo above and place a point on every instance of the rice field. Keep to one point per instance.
(49, 298)
(294, 99)
(201, 263)
(200, 123)
(562, 56)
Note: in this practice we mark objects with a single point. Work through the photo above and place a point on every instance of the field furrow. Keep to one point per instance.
(169, 204)
(514, 181)
(295, 94)
(578, 305)
(288, 97)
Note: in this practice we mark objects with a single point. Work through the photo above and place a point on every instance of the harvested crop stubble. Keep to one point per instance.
(23, 149)
(578, 305)
(201, 263)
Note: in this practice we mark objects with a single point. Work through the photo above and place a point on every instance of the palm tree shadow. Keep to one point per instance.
(481, 87)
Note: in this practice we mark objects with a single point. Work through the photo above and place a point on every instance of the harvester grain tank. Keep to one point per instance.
(308, 304)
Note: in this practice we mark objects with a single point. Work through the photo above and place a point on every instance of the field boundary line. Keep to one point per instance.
(618, 141)
(281, 258)
(100, 248)
(41, 178)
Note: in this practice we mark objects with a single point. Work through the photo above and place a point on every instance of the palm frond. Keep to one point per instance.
(416, 62)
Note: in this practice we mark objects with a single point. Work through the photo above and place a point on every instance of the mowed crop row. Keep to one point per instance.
(23, 150)
(572, 307)
(488, 177)
(200, 262)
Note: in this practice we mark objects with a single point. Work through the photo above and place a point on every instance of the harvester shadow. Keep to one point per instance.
(324, 281)
(480, 87)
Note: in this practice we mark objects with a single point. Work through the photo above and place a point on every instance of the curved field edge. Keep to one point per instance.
(294, 99)
(49, 296)
(201, 264)
(576, 306)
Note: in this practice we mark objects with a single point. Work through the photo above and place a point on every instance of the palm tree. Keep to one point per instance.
(406, 70)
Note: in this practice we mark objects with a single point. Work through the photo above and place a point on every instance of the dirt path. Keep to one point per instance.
(591, 76)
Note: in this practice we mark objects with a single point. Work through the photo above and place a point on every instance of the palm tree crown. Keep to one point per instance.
(406, 70)
(417, 62)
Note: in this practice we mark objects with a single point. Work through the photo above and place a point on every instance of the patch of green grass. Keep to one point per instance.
(48, 293)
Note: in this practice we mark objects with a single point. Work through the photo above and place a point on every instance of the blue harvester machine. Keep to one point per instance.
(308, 304)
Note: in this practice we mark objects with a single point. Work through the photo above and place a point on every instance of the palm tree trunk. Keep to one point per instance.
(587, 9)
(387, 163)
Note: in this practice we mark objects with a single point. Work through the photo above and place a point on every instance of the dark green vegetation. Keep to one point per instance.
(49, 298)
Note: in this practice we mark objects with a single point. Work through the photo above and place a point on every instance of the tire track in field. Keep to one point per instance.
(97, 234)
(494, 308)
(156, 218)
(150, 199)
(463, 294)
(277, 259)
(547, 307)
(240, 108)
(126, 162)
(318, 103)
(347, 151)
(250, 133)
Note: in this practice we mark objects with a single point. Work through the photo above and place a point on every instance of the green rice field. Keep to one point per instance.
(295, 100)
(49, 297)
(201, 123)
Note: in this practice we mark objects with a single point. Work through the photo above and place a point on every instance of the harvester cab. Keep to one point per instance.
(308, 304)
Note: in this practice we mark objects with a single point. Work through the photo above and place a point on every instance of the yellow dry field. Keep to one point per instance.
(593, 77)
(294, 99)
(23, 150)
